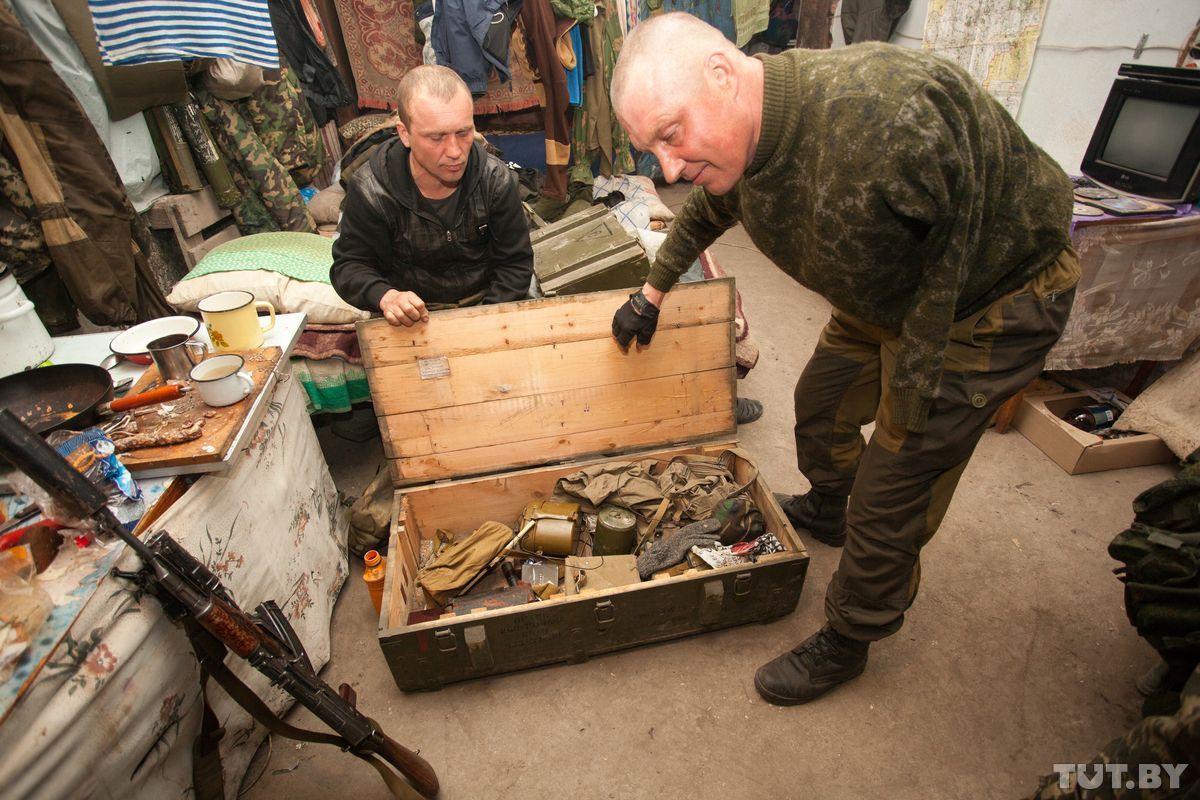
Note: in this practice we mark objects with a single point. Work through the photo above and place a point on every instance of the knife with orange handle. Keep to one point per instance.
(160, 395)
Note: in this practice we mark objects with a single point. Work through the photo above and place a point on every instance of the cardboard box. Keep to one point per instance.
(1040, 420)
(483, 409)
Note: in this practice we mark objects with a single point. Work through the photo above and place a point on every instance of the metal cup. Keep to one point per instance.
(175, 355)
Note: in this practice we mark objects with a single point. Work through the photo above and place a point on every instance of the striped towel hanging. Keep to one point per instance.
(142, 31)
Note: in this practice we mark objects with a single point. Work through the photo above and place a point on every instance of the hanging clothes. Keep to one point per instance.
(472, 38)
(517, 94)
(273, 147)
(126, 90)
(596, 132)
(718, 13)
(871, 20)
(75, 192)
(575, 68)
(323, 87)
(542, 31)
(126, 137)
(815, 24)
(144, 31)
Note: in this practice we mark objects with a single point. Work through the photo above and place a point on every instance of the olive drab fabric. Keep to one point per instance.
(901, 482)
(1160, 557)
(22, 243)
(73, 189)
(273, 147)
(596, 133)
(862, 219)
(1167, 739)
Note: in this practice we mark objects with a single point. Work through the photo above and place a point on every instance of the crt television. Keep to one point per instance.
(1147, 141)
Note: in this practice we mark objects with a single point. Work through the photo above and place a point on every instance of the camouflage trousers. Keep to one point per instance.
(900, 483)
(1135, 765)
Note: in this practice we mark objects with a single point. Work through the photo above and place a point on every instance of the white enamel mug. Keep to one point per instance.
(221, 380)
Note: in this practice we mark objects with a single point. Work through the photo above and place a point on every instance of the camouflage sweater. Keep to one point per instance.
(892, 184)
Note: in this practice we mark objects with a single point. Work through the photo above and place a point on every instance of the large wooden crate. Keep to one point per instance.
(482, 410)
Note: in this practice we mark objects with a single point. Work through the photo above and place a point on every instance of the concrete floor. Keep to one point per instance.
(1016, 656)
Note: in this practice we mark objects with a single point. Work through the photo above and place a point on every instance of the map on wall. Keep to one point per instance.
(994, 40)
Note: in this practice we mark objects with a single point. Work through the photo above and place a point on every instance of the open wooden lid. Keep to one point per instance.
(492, 388)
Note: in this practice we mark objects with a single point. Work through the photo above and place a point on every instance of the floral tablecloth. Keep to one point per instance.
(114, 711)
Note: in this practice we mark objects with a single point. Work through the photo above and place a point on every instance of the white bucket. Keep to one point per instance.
(24, 342)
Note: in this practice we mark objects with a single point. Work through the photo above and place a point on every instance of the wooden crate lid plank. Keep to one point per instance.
(626, 440)
(511, 421)
(490, 388)
(530, 323)
(479, 377)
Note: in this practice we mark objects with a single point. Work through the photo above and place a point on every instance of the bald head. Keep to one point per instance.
(667, 54)
(685, 93)
(428, 80)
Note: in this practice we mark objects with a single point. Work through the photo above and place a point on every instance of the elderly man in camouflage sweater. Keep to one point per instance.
(890, 183)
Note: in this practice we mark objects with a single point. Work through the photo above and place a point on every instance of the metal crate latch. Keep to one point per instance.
(605, 614)
(475, 638)
(445, 640)
(741, 584)
(710, 605)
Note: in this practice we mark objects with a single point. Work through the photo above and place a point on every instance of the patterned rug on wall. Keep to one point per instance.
(380, 41)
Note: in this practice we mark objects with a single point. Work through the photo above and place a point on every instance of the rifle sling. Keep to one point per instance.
(213, 663)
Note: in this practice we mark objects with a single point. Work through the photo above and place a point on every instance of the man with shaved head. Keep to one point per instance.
(431, 220)
(890, 183)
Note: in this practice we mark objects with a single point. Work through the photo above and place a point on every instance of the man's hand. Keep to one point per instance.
(403, 308)
(638, 317)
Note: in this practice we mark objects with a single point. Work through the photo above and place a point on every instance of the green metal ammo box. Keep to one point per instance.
(587, 252)
(482, 409)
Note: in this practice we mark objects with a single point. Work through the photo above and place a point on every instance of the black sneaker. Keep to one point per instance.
(819, 663)
(822, 515)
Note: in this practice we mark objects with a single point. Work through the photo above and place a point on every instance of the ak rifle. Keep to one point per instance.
(196, 600)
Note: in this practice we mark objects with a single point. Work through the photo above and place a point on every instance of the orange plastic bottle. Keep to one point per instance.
(374, 574)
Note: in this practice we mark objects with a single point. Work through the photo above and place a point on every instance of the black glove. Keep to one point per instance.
(638, 317)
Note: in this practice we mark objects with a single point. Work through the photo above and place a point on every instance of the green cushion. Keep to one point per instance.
(300, 256)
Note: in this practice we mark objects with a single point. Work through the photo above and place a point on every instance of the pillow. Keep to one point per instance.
(263, 284)
(288, 270)
(641, 203)
(320, 301)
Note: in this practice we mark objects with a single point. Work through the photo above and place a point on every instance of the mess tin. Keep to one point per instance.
(221, 380)
(232, 321)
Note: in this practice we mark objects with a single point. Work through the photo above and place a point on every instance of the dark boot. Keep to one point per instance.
(822, 661)
(822, 515)
(747, 410)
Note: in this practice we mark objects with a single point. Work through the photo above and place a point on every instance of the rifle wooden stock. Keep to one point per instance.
(409, 764)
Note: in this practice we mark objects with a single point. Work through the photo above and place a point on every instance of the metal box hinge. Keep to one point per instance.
(710, 606)
(475, 638)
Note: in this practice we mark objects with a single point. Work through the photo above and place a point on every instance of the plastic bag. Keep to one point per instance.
(94, 456)
(233, 80)
(24, 607)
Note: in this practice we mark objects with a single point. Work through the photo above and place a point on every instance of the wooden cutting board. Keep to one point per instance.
(220, 424)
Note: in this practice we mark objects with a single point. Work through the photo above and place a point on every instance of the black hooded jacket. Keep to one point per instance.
(390, 239)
